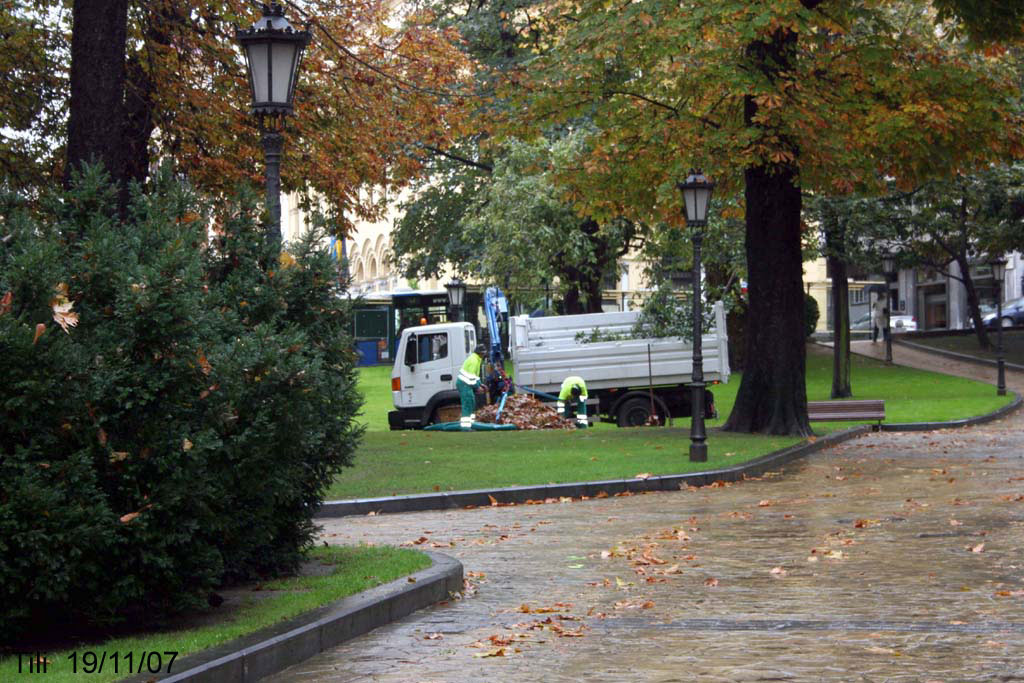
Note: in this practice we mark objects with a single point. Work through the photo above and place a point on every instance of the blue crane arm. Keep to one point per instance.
(495, 304)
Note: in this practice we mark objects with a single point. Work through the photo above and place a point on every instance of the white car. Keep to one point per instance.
(900, 323)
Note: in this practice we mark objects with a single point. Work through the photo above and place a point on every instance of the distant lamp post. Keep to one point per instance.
(456, 296)
(697, 191)
(998, 274)
(889, 270)
(273, 49)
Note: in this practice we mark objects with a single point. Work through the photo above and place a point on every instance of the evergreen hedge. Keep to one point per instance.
(182, 433)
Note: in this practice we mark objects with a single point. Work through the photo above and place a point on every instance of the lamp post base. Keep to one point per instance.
(698, 452)
(698, 435)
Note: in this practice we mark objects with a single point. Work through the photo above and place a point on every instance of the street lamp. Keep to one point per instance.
(998, 274)
(273, 49)
(889, 270)
(697, 191)
(456, 295)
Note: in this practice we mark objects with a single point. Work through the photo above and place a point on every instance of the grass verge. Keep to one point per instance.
(393, 463)
(967, 344)
(345, 571)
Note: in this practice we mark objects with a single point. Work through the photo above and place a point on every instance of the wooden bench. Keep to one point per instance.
(833, 411)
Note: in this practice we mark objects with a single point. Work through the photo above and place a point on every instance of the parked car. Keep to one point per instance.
(900, 323)
(1013, 314)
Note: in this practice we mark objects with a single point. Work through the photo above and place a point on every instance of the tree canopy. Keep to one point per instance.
(772, 98)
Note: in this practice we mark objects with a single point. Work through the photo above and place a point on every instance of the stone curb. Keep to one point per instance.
(277, 647)
(592, 489)
(964, 358)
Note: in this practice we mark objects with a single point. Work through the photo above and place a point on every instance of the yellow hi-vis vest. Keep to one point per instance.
(570, 382)
(470, 372)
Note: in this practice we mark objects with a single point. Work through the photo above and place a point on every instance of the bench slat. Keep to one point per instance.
(861, 409)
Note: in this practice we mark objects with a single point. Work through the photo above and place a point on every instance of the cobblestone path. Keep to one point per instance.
(893, 557)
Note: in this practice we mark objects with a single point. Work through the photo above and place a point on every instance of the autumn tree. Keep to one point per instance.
(373, 84)
(773, 98)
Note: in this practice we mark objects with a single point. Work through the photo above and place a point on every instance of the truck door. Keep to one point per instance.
(426, 367)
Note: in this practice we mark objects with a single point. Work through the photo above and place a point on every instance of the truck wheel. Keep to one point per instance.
(634, 413)
(448, 413)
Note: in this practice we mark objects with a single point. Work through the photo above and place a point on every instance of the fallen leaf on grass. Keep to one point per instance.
(882, 651)
(642, 475)
(980, 548)
(778, 571)
(1011, 594)
(433, 636)
(497, 652)
(710, 582)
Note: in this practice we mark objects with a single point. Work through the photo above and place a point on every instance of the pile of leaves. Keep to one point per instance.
(525, 412)
(174, 406)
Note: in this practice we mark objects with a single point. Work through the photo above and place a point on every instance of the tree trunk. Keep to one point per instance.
(973, 304)
(835, 247)
(139, 123)
(772, 397)
(95, 120)
(840, 330)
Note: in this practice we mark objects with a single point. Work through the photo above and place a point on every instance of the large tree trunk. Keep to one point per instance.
(95, 121)
(772, 397)
(835, 246)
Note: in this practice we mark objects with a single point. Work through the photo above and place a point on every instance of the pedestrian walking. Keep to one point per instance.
(878, 311)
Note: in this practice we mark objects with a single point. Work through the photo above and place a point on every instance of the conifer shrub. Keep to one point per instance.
(174, 403)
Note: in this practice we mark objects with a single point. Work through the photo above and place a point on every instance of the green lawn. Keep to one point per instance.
(349, 570)
(1013, 345)
(390, 463)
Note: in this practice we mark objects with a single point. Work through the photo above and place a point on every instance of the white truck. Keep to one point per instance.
(544, 351)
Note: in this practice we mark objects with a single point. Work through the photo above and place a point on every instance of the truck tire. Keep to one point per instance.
(634, 412)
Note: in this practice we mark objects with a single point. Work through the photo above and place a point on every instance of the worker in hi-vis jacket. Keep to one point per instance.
(573, 399)
(468, 381)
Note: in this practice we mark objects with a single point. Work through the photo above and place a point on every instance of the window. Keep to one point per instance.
(433, 346)
(469, 341)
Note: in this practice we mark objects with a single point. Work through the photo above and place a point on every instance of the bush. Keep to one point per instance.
(811, 314)
(183, 433)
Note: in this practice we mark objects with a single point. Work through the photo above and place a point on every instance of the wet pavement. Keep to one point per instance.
(892, 557)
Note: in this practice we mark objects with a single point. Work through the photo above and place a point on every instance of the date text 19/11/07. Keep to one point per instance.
(97, 662)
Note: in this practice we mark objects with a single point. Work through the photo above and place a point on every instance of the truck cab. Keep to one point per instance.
(427, 362)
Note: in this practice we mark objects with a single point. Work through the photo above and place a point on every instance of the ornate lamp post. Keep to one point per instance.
(998, 274)
(273, 49)
(889, 270)
(456, 295)
(697, 191)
